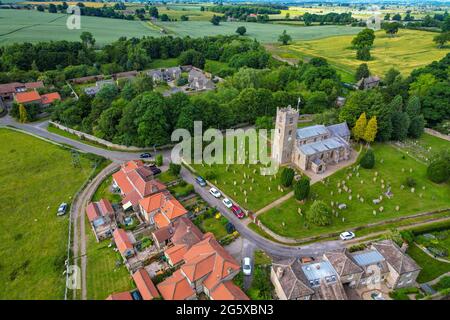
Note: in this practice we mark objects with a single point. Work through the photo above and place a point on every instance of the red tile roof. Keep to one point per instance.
(50, 97)
(95, 210)
(120, 296)
(228, 291)
(10, 88)
(176, 287)
(145, 285)
(34, 85)
(165, 204)
(176, 253)
(27, 97)
(122, 240)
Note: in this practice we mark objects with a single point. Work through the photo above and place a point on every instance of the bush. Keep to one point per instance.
(159, 160)
(357, 247)
(407, 236)
(368, 160)
(444, 283)
(174, 168)
(287, 175)
(301, 188)
(438, 171)
(410, 182)
(210, 175)
(402, 294)
(319, 213)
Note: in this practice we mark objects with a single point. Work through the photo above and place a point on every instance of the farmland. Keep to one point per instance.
(35, 177)
(387, 51)
(34, 26)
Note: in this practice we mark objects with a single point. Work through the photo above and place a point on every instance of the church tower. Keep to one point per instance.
(285, 134)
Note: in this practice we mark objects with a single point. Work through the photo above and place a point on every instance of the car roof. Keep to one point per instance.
(246, 259)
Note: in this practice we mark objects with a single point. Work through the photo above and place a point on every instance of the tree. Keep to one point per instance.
(52, 8)
(153, 11)
(284, 38)
(442, 38)
(363, 54)
(422, 85)
(362, 71)
(40, 8)
(364, 38)
(397, 17)
(368, 160)
(360, 127)
(164, 17)
(301, 188)
(417, 121)
(399, 119)
(215, 20)
(439, 170)
(241, 30)
(287, 176)
(87, 39)
(264, 122)
(319, 213)
(391, 28)
(371, 130)
(159, 160)
(192, 57)
(184, 18)
(23, 116)
(174, 169)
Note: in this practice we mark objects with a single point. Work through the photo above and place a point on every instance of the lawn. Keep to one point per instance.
(103, 192)
(164, 63)
(35, 177)
(286, 220)
(34, 26)
(263, 32)
(105, 271)
(425, 147)
(243, 183)
(431, 268)
(408, 50)
(215, 226)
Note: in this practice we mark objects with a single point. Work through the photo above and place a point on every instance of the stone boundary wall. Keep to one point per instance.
(437, 134)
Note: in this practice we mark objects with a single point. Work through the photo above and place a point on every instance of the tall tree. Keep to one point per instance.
(360, 127)
(284, 38)
(362, 71)
(371, 130)
(87, 39)
(23, 115)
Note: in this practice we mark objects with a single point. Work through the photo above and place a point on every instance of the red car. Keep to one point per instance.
(237, 211)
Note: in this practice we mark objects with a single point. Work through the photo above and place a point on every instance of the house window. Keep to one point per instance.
(290, 132)
(291, 120)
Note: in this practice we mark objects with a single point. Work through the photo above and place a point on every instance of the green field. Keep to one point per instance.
(34, 26)
(103, 192)
(431, 268)
(35, 177)
(408, 50)
(106, 273)
(285, 219)
(263, 32)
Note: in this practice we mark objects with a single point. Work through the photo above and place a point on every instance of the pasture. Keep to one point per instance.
(392, 167)
(33, 26)
(35, 177)
(408, 50)
(263, 32)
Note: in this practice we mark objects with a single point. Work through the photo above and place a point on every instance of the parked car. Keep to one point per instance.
(62, 209)
(347, 235)
(227, 203)
(247, 266)
(155, 170)
(145, 155)
(200, 181)
(215, 192)
(237, 211)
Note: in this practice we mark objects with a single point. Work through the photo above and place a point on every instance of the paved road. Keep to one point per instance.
(270, 247)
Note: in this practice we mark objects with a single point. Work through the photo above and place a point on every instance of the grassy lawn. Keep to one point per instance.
(431, 268)
(163, 63)
(387, 51)
(166, 177)
(214, 67)
(103, 192)
(35, 177)
(285, 219)
(105, 272)
(213, 225)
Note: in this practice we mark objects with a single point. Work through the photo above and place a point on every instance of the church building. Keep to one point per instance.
(312, 147)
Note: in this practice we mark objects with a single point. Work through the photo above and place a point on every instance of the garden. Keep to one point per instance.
(357, 196)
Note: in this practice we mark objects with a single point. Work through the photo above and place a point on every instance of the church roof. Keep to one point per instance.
(321, 146)
(340, 129)
(311, 131)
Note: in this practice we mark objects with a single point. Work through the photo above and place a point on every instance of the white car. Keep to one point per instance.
(347, 235)
(247, 266)
(215, 192)
(62, 209)
(227, 203)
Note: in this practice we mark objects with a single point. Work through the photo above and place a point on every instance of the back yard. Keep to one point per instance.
(35, 177)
